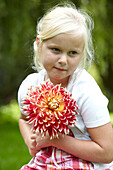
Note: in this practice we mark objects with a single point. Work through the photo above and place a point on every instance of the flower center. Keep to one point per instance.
(53, 104)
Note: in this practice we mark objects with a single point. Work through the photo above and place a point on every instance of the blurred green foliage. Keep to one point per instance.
(103, 42)
(10, 112)
(18, 20)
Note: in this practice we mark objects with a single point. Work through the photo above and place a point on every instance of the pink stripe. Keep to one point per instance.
(60, 160)
(27, 169)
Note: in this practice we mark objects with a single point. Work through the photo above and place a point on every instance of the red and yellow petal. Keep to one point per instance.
(51, 109)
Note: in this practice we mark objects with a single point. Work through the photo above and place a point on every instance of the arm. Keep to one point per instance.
(100, 149)
(28, 135)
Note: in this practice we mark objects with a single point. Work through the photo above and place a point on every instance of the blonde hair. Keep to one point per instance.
(65, 19)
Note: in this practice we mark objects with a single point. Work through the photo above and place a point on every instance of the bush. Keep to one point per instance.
(10, 112)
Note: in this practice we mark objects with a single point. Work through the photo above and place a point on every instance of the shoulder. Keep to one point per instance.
(91, 101)
(33, 79)
(86, 84)
(89, 90)
(86, 80)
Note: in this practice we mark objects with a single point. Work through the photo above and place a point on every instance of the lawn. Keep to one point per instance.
(13, 151)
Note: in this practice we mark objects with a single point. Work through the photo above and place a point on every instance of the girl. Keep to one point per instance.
(63, 49)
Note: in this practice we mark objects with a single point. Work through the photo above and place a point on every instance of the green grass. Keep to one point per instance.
(13, 151)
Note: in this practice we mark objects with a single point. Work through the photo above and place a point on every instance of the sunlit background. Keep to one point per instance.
(18, 21)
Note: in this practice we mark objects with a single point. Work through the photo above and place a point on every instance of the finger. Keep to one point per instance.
(33, 136)
(37, 133)
(32, 153)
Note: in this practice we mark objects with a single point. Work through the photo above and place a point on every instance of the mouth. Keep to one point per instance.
(60, 69)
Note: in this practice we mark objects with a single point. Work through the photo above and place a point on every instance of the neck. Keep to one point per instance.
(63, 82)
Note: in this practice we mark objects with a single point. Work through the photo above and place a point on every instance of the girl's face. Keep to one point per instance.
(61, 56)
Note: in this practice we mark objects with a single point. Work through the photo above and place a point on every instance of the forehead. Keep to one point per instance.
(68, 40)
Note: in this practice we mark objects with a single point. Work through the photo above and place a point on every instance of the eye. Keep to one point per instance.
(73, 53)
(55, 50)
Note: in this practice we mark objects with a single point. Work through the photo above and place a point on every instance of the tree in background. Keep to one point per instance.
(102, 14)
(16, 32)
(18, 21)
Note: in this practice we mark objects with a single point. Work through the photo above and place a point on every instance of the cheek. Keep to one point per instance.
(74, 64)
(48, 62)
(45, 58)
(48, 58)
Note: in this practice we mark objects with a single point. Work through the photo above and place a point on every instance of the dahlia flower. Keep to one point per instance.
(50, 108)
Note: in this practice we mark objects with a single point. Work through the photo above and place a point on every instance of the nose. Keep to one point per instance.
(63, 59)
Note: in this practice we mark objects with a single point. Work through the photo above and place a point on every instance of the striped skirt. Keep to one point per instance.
(52, 158)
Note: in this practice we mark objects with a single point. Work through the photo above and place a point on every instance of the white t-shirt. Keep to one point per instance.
(92, 103)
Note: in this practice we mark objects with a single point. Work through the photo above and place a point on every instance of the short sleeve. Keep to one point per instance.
(22, 92)
(91, 101)
(31, 80)
(94, 109)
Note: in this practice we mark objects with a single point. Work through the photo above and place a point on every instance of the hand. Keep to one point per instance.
(42, 142)
(32, 145)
